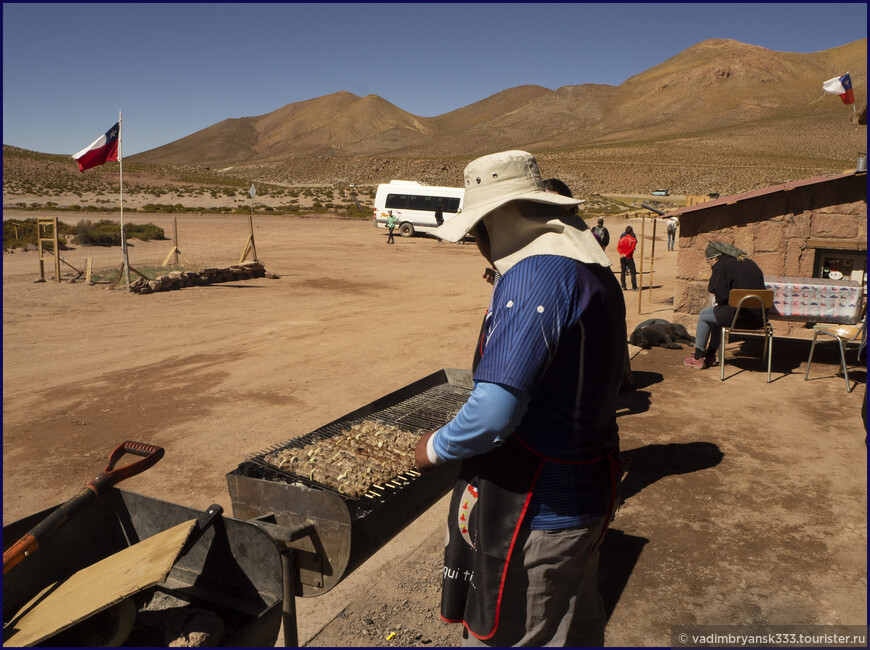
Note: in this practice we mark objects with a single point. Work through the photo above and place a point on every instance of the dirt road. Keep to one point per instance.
(747, 500)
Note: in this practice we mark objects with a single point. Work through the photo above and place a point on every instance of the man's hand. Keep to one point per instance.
(489, 275)
(421, 456)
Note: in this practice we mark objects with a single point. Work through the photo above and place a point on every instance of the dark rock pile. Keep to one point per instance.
(182, 279)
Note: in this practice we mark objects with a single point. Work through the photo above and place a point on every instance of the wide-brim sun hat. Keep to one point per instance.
(496, 179)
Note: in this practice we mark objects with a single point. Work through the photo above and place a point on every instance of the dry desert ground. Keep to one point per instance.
(746, 500)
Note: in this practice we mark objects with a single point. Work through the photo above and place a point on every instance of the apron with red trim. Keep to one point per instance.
(488, 505)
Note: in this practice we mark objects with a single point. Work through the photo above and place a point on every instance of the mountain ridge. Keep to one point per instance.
(719, 116)
(714, 83)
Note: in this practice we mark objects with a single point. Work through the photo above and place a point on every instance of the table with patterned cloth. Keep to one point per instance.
(815, 300)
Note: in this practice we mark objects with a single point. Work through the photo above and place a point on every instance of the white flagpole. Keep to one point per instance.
(121, 170)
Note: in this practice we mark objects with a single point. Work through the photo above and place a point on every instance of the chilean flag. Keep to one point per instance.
(101, 150)
(841, 86)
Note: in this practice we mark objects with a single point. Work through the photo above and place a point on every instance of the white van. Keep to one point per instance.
(414, 205)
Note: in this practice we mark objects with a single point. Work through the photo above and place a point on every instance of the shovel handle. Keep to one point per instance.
(111, 476)
(25, 546)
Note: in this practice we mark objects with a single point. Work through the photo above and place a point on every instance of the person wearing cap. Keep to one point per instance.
(537, 439)
(625, 247)
(732, 269)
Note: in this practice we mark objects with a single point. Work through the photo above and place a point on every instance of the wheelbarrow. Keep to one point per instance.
(233, 570)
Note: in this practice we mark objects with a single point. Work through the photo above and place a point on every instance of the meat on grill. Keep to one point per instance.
(367, 454)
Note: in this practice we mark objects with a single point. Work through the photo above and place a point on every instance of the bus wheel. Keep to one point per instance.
(406, 230)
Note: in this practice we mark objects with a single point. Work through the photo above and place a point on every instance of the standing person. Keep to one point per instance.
(672, 224)
(625, 247)
(601, 233)
(439, 217)
(732, 269)
(391, 223)
(537, 438)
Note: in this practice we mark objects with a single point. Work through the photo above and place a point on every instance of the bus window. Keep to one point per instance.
(420, 202)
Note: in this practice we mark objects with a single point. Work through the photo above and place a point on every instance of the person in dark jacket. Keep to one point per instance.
(601, 233)
(439, 218)
(732, 269)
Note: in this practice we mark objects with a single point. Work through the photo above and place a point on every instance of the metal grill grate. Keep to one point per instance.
(417, 412)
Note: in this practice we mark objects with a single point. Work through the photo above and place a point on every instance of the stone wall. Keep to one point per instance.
(182, 279)
(775, 230)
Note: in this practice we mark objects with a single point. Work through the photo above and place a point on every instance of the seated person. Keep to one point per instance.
(732, 269)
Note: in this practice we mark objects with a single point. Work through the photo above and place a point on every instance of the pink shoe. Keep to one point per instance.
(692, 362)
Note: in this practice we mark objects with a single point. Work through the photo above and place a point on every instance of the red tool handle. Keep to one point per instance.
(25, 546)
(110, 476)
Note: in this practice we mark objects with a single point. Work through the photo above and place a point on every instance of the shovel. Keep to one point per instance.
(26, 546)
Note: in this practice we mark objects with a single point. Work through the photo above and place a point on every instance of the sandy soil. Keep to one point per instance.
(746, 500)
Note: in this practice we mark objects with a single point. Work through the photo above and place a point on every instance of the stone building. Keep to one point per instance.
(797, 229)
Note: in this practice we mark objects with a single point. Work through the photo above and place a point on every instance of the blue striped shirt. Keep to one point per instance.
(554, 346)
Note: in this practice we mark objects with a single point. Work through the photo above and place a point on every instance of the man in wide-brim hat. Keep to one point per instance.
(537, 439)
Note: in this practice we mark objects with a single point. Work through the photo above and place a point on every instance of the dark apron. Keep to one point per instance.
(489, 503)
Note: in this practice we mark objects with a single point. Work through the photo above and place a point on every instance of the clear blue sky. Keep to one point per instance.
(174, 69)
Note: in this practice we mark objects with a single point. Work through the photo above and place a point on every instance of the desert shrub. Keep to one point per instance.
(101, 233)
(143, 231)
(20, 233)
(108, 233)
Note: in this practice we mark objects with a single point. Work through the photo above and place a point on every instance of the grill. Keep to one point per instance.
(331, 533)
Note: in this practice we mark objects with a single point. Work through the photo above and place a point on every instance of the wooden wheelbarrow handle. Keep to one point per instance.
(26, 546)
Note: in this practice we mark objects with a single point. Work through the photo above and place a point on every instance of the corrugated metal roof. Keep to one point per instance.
(773, 189)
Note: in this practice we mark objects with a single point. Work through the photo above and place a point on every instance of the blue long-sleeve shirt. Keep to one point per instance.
(490, 415)
(550, 373)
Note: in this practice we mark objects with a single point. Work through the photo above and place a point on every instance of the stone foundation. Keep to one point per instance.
(182, 279)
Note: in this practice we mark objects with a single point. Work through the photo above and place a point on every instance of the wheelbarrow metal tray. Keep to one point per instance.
(234, 569)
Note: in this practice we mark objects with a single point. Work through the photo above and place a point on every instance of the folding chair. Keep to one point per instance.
(749, 299)
(844, 334)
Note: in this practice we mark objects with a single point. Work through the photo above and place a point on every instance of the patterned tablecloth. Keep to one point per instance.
(815, 300)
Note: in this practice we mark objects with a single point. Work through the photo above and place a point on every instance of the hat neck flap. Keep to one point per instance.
(521, 229)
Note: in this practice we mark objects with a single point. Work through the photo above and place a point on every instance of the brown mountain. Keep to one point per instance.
(720, 116)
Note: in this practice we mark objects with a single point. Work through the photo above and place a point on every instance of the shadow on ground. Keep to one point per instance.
(619, 555)
(636, 400)
(620, 552)
(648, 464)
(790, 356)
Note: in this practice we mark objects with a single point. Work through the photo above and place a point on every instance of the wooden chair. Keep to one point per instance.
(844, 334)
(749, 299)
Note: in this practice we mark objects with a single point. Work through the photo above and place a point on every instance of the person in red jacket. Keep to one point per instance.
(625, 247)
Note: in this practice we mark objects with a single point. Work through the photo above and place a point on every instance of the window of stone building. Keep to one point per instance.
(837, 263)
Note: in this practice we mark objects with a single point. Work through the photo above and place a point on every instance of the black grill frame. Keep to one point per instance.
(347, 530)
(415, 411)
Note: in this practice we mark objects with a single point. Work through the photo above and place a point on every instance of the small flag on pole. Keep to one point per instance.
(841, 86)
(101, 150)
